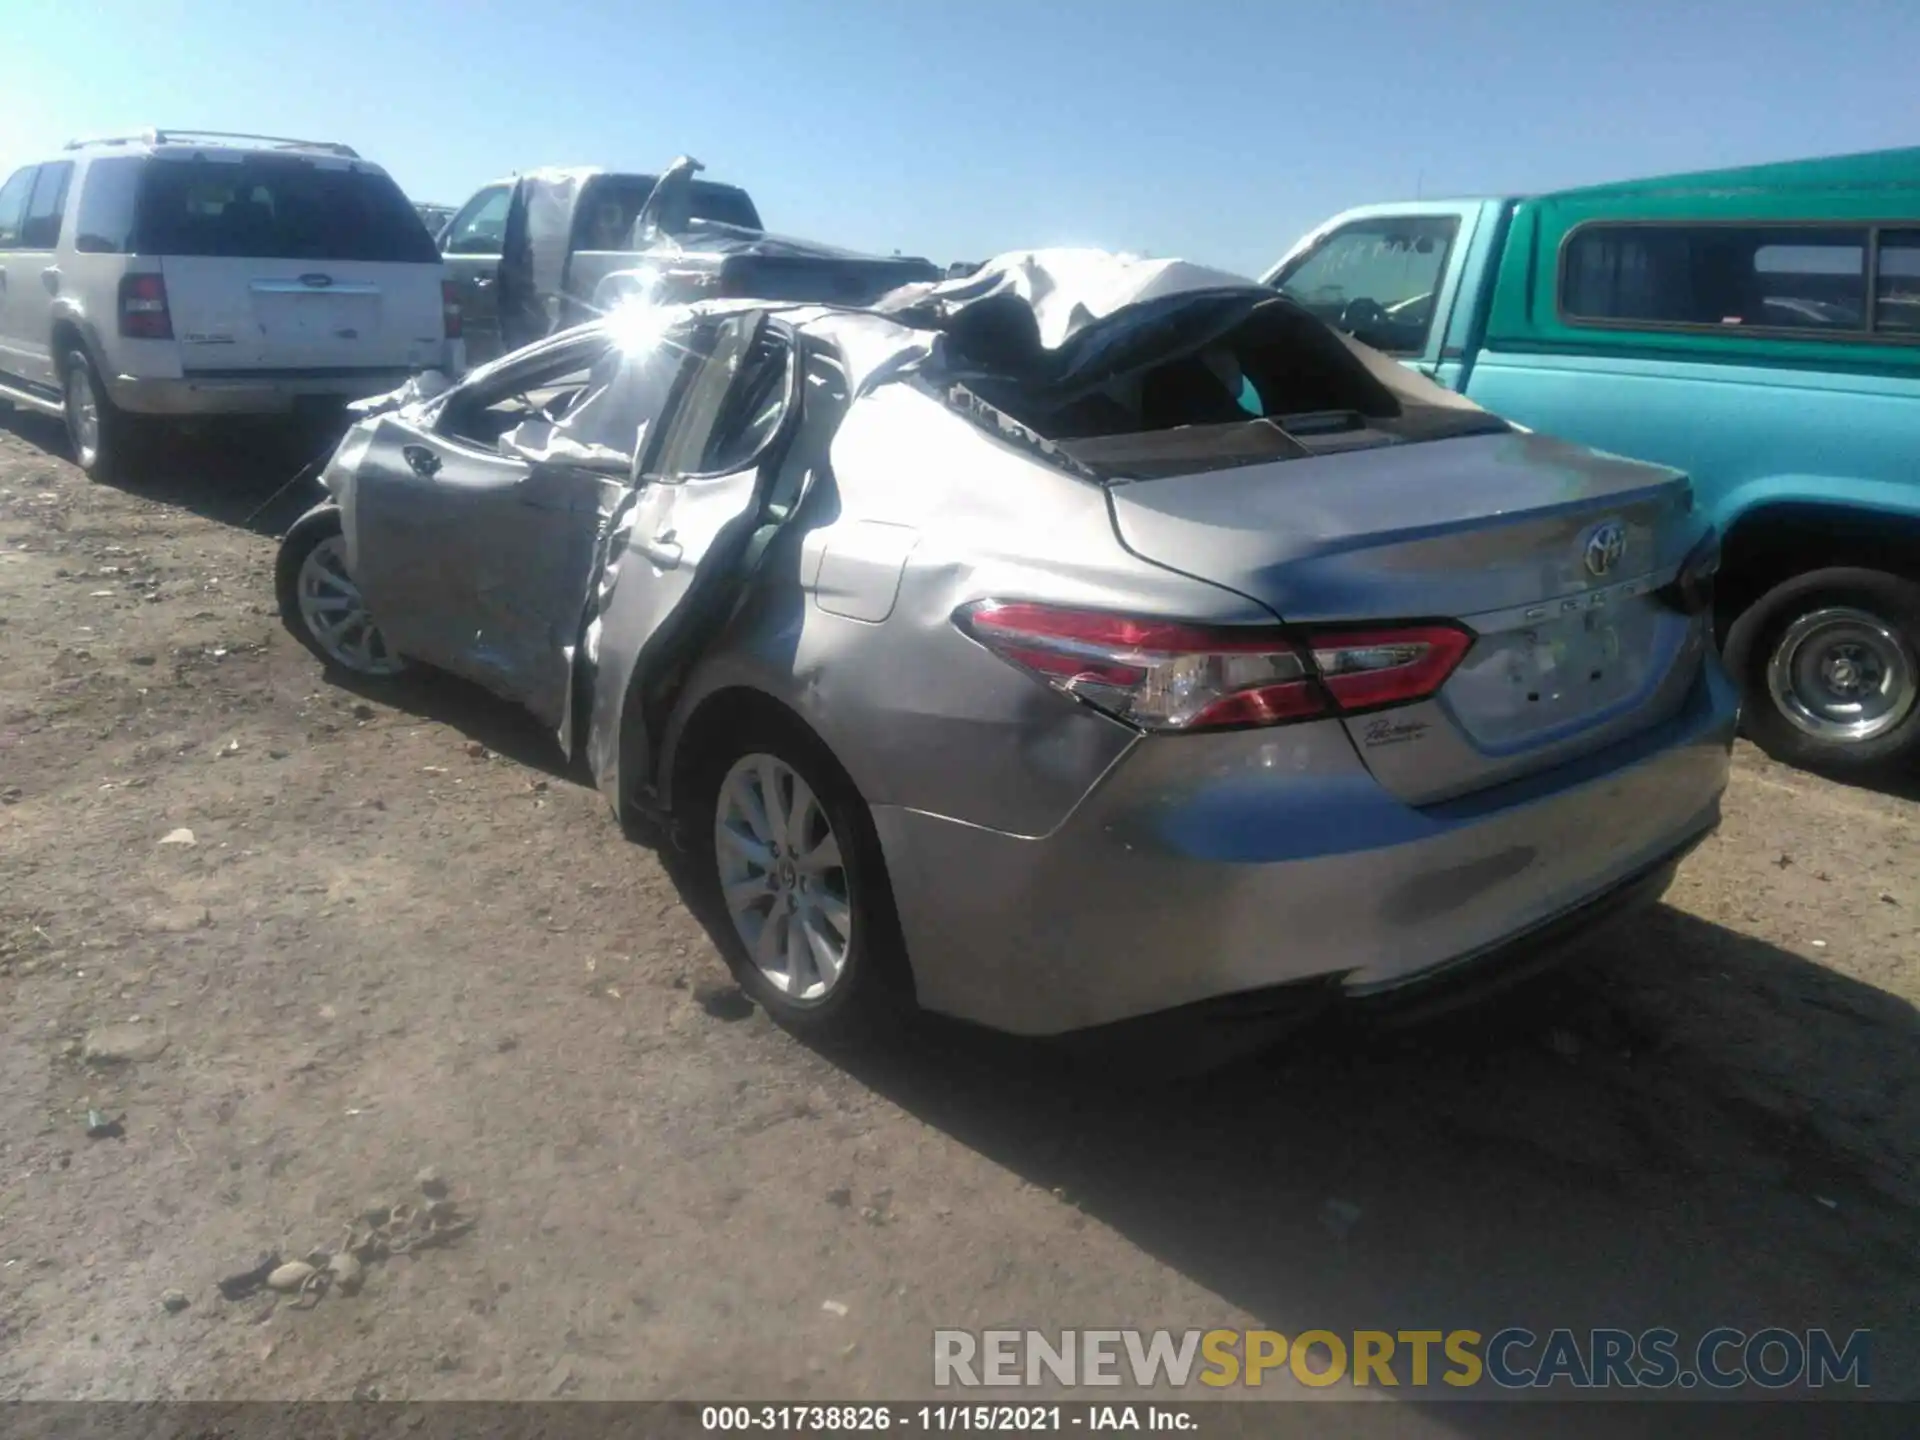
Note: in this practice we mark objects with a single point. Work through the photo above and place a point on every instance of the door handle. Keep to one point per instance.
(663, 550)
(50, 277)
(484, 282)
(422, 461)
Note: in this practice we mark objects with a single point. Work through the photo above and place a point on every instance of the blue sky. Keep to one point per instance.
(1214, 130)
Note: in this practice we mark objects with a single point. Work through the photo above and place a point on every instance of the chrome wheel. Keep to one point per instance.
(336, 617)
(1843, 675)
(83, 416)
(782, 877)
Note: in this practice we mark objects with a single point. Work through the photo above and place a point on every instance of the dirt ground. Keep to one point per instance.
(402, 936)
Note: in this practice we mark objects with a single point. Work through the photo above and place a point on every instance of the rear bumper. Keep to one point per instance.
(1231, 1025)
(1285, 864)
(1475, 977)
(262, 393)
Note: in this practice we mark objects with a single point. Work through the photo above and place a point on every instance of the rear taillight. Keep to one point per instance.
(1369, 669)
(1162, 675)
(143, 308)
(450, 309)
(1691, 591)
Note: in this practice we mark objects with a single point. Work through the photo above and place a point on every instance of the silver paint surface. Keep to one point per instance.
(1106, 873)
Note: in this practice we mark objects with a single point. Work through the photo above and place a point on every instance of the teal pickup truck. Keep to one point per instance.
(1758, 328)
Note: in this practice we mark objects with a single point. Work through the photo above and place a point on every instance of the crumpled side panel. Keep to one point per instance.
(427, 385)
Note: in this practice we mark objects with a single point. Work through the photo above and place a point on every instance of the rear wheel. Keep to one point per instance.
(786, 849)
(102, 435)
(321, 604)
(1830, 666)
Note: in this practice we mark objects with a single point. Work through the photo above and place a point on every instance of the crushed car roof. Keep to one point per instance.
(1035, 328)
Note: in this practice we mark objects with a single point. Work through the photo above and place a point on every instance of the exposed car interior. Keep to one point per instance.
(1234, 378)
(484, 419)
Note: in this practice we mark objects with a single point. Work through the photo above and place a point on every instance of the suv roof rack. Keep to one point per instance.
(173, 137)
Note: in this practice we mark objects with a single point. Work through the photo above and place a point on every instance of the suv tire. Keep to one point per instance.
(1829, 664)
(103, 436)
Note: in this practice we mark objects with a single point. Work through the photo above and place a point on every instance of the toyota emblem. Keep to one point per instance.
(1605, 546)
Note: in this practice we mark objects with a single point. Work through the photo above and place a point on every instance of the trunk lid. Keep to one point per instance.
(260, 313)
(1493, 531)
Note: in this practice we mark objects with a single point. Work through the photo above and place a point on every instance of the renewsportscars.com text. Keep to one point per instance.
(1771, 1358)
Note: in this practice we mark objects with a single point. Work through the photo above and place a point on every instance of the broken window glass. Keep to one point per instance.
(733, 405)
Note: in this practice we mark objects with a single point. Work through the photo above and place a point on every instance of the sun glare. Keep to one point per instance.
(638, 325)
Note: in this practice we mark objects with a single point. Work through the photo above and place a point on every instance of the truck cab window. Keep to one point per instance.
(481, 226)
(1377, 279)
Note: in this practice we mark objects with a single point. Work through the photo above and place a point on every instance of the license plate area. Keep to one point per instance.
(1556, 672)
(1549, 659)
(300, 323)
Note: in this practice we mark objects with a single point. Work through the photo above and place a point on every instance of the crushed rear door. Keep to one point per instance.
(727, 468)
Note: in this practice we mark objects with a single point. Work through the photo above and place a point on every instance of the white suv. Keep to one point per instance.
(179, 274)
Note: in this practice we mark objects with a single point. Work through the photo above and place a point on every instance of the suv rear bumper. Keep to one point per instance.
(264, 392)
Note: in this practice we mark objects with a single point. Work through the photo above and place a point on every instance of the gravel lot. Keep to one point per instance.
(404, 936)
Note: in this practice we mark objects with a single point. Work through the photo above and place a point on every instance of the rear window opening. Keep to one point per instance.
(613, 203)
(274, 208)
(1203, 383)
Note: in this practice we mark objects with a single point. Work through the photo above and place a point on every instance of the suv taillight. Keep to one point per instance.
(450, 309)
(1167, 676)
(143, 308)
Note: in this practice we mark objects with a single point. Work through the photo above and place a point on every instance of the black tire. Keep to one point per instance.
(873, 995)
(1756, 638)
(319, 524)
(111, 453)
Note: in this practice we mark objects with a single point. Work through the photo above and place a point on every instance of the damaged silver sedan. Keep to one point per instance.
(1074, 641)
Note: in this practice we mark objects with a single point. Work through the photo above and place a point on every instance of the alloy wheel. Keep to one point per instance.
(782, 878)
(335, 615)
(83, 416)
